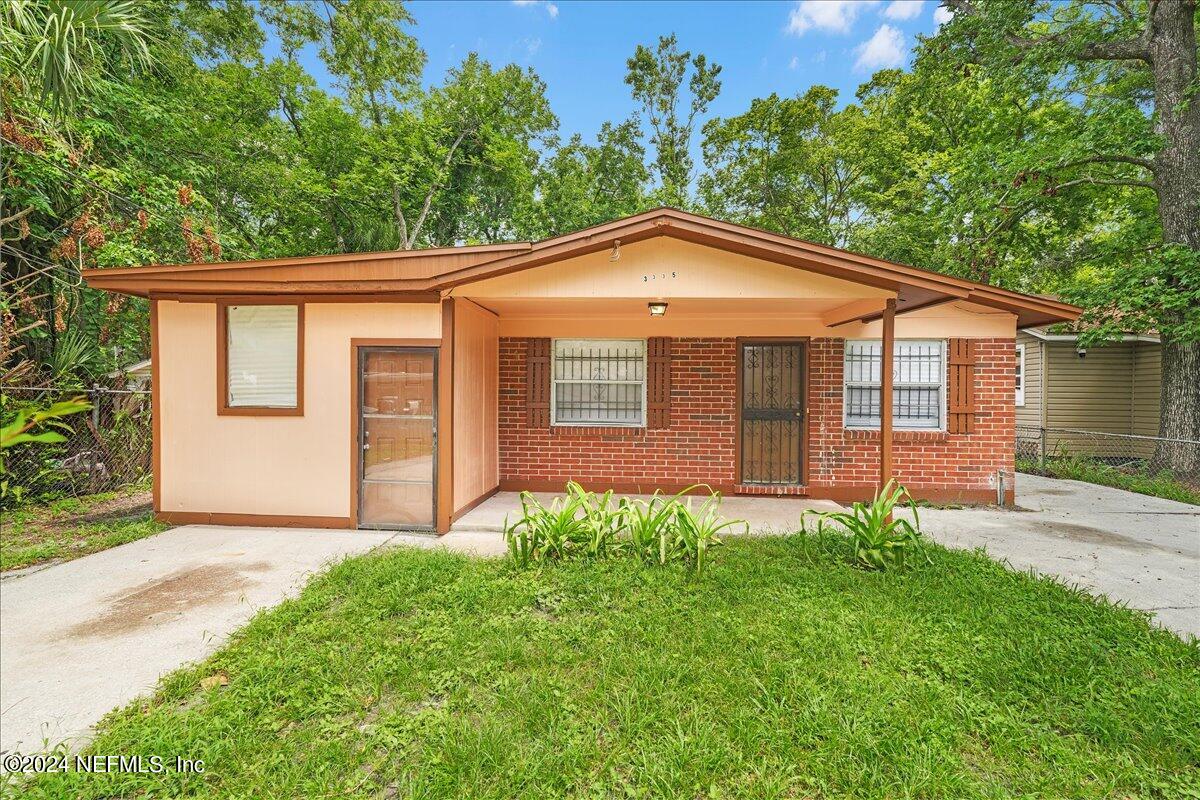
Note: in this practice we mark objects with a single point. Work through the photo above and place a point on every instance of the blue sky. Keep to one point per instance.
(579, 48)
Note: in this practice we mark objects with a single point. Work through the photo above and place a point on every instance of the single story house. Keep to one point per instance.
(400, 389)
(1110, 388)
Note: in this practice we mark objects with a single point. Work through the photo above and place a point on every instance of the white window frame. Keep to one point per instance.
(846, 384)
(555, 381)
(1020, 390)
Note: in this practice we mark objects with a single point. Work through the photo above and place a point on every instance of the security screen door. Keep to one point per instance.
(772, 412)
(397, 437)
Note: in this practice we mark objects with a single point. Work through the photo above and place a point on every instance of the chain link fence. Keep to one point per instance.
(107, 448)
(1120, 450)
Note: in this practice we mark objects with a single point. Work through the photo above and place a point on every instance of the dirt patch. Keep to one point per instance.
(167, 598)
(1090, 535)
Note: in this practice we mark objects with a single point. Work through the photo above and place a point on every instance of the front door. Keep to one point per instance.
(772, 405)
(397, 434)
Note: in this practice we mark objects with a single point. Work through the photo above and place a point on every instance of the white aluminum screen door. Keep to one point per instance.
(397, 437)
(261, 350)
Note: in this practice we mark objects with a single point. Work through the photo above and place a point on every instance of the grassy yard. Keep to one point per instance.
(1077, 468)
(783, 673)
(74, 527)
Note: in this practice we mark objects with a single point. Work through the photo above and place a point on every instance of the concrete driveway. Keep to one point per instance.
(1141, 550)
(81, 638)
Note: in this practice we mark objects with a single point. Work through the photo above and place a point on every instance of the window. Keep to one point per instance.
(599, 382)
(262, 352)
(1020, 374)
(918, 381)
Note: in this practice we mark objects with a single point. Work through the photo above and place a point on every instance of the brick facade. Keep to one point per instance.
(700, 445)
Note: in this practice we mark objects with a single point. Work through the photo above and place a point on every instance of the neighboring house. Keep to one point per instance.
(400, 389)
(1109, 388)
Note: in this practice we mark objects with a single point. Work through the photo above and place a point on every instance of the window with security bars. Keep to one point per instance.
(599, 382)
(918, 379)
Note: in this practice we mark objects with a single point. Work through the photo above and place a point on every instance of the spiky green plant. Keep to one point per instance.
(696, 529)
(880, 539)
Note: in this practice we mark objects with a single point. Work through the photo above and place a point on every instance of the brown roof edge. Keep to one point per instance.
(334, 258)
(500, 259)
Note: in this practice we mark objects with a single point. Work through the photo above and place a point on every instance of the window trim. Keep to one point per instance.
(554, 423)
(1020, 390)
(223, 407)
(943, 412)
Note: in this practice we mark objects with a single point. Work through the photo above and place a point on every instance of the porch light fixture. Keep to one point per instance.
(615, 255)
(658, 308)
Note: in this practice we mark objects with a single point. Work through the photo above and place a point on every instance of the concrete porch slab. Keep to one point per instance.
(764, 514)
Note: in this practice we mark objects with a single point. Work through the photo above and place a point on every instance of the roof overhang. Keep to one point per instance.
(418, 273)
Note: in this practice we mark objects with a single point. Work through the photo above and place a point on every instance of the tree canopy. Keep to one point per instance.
(1043, 147)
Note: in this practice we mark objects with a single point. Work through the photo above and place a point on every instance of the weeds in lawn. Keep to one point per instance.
(880, 540)
(661, 530)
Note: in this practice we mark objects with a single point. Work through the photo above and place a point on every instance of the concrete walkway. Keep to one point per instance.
(81, 638)
(1143, 551)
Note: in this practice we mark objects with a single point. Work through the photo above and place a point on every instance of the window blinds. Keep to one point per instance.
(261, 356)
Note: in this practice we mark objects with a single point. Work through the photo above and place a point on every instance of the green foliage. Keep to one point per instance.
(1135, 478)
(785, 673)
(659, 530)
(880, 539)
(62, 44)
(25, 420)
(656, 80)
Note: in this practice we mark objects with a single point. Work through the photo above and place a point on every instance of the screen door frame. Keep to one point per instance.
(360, 357)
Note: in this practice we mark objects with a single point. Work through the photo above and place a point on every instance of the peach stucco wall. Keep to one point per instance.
(293, 466)
(476, 397)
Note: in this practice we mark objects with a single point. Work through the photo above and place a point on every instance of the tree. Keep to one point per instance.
(790, 165)
(60, 45)
(1130, 69)
(581, 185)
(656, 79)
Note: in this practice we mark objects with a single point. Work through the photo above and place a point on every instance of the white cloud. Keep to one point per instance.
(942, 15)
(884, 49)
(551, 8)
(903, 9)
(794, 63)
(834, 16)
(532, 45)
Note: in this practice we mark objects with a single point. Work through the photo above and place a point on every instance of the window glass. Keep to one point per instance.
(917, 384)
(599, 382)
(261, 355)
(1020, 375)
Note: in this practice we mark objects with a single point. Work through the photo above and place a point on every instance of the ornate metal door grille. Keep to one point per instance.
(772, 412)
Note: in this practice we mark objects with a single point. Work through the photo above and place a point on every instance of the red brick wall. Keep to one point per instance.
(697, 448)
(700, 444)
(934, 463)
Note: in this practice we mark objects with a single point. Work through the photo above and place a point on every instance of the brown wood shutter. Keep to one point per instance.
(658, 382)
(537, 383)
(960, 389)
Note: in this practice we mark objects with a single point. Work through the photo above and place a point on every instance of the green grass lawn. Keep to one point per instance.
(74, 527)
(783, 673)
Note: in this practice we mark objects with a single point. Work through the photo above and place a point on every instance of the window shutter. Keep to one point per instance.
(537, 382)
(960, 389)
(658, 382)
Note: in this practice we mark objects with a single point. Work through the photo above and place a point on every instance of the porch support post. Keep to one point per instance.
(445, 421)
(885, 392)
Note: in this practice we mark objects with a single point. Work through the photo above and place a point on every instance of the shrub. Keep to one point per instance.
(880, 541)
(660, 530)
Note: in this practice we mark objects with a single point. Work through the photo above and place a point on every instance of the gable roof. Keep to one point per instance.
(428, 272)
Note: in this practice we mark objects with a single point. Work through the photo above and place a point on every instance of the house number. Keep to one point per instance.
(661, 276)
